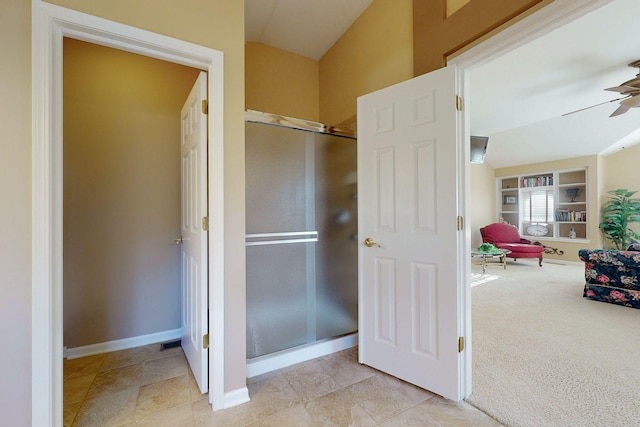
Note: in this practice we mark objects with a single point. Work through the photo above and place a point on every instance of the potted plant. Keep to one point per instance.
(618, 212)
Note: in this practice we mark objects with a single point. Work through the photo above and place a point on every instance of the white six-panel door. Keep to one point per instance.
(194, 247)
(408, 284)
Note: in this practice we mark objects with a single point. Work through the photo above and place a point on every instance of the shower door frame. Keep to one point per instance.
(313, 347)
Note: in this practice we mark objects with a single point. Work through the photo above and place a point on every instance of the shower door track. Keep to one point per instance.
(293, 123)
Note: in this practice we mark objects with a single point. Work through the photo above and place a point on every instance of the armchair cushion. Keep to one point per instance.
(521, 247)
(502, 233)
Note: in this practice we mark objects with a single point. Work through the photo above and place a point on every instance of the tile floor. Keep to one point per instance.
(145, 386)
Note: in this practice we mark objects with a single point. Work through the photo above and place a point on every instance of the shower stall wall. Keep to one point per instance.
(301, 242)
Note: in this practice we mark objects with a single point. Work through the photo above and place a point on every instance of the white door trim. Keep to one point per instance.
(49, 25)
(549, 18)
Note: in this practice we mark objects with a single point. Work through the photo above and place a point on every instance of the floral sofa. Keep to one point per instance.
(612, 275)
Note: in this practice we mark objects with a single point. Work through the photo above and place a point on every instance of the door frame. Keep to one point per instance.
(548, 18)
(50, 23)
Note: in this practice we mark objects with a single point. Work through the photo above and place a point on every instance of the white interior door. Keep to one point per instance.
(194, 238)
(408, 280)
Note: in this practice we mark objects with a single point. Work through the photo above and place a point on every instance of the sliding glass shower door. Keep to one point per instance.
(301, 237)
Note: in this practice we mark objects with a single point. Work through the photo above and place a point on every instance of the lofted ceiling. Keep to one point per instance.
(519, 99)
(306, 27)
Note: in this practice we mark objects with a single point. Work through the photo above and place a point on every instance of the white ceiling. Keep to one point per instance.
(518, 100)
(306, 27)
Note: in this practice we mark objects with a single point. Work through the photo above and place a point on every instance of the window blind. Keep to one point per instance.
(537, 206)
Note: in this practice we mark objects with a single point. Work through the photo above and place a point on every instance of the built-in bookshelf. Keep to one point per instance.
(536, 181)
(571, 211)
(508, 199)
(549, 205)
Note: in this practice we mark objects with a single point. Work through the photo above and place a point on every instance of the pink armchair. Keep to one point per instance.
(506, 236)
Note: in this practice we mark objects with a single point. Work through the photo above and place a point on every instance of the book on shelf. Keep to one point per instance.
(567, 215)
(536, 181)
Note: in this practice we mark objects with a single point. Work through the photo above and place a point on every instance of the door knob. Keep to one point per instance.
(368, 242)
(178, 241)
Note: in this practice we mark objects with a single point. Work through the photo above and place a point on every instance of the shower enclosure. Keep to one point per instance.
(301, 242)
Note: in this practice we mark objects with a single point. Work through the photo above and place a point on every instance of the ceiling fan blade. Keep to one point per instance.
(622, 89)
(620, 110)
(634, 82)
(592, 106)
(631, 91)
(632, 102)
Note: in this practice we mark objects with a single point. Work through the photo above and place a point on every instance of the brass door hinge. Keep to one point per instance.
(205, 341)
(460, 344)
(458, 103)
(205, 106)
(205, 223)
(460, 223)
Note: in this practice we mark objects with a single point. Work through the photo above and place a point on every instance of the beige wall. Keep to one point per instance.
(374, 53)
(121, 193)
(621, 169)
(439, 32)
(394, 40)
(482, 200)
(15, 214)
(593, 164)
(281, 82)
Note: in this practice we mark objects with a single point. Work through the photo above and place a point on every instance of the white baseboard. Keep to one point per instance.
(282, 359)
(561, 262)
(236, 397)
(123, 344)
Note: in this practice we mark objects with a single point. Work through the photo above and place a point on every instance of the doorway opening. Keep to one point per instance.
(122, 195)
(549, 18)
(50, 25)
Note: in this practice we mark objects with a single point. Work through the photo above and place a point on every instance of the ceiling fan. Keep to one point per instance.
(631, 91)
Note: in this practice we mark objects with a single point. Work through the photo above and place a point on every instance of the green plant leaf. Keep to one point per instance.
(617, 213)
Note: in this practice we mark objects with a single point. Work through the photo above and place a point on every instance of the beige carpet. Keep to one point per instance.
(545, 356)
